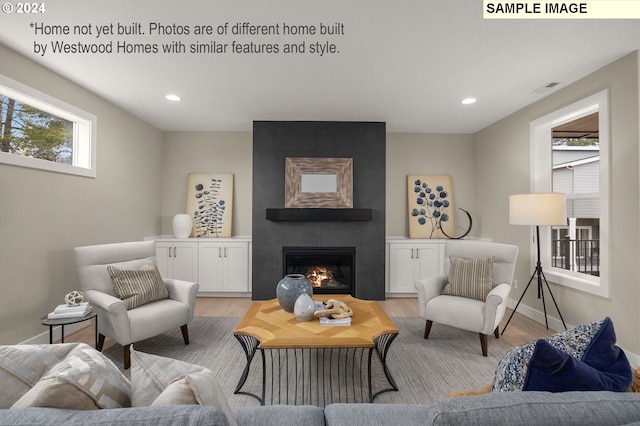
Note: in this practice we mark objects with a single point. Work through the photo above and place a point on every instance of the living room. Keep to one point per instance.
(141, 184)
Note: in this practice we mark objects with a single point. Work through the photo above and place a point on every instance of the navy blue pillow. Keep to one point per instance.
(604, 366)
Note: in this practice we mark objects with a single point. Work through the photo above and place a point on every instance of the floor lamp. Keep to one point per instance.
(542, 209)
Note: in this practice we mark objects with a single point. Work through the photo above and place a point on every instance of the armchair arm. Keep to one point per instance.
(106, 302)
(427, 289)
(495, 306)
(184, 292)
(113, 316)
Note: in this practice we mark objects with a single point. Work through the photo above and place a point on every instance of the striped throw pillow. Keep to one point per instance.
(472, 278)
(138, 286)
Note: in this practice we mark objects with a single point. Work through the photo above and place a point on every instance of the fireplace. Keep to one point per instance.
(330, 269)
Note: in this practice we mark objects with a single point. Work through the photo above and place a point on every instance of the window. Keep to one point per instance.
(39, 131)
(569, 154)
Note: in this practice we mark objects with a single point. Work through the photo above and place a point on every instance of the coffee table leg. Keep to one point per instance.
(250, 345)
(382, 345)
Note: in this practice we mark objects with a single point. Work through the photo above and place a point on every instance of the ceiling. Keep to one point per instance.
(407, 63)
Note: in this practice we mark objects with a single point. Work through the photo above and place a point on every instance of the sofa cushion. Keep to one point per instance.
(281, 415)
(138, 286)
(71, 375)
(512, 408)
(183, 415)
(472, 278)
(157, 380)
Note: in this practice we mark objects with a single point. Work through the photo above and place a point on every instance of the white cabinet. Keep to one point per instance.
(410, 260)
(217, 265)
(178, 259)
(223, 267)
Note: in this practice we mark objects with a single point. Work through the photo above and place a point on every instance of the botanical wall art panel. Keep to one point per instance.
(430, 206)
(210, 202)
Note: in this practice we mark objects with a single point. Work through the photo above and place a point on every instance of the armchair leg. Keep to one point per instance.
(483, 343)
(427, 329)
(185, 334)
(100, 342)
(127, 357)
(496, 333)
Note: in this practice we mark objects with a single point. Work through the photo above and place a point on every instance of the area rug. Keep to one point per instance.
(424, 370)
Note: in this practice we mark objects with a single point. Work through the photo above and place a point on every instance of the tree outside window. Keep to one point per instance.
(31, 132)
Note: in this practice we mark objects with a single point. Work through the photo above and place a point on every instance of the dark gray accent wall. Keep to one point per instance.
(365, 142)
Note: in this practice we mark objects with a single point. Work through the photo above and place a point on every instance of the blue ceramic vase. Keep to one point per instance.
(290, 288)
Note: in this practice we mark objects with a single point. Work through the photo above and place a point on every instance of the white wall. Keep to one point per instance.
(43, 215)
(502, 168)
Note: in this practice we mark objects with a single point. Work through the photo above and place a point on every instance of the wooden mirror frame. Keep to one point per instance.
(296, 167)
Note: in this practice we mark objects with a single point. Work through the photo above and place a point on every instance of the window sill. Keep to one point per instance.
(577, 281)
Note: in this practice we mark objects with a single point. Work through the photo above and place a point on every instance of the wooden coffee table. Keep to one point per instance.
(308, 361)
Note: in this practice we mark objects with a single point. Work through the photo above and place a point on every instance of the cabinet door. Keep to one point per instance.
(427, 260)
(185, 261)
(210, 266)
(236, 267)
(402, 268)
(162, 258)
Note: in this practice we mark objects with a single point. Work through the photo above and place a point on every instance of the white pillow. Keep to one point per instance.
(157, 380)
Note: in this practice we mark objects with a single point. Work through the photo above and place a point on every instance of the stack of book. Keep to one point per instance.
(65, 311)
(345, 322)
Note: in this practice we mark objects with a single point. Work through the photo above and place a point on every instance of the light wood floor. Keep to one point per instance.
(521, 329)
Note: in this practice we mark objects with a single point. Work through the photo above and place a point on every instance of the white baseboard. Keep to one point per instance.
(556, 324)
(43, 338)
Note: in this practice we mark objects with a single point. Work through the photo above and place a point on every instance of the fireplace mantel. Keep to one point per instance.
(313, 214)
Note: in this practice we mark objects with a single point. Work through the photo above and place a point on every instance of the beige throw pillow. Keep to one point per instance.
(82, 379)
(138, 286)
(21, 366)
(157, 380)
(472, 278)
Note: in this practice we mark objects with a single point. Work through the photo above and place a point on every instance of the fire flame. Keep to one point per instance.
(318, 275)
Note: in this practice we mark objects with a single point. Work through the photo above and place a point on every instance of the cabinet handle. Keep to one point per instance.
(225, 252)
(175, 252)
(412, 253)
(417, 253)
(219, 251)
(170, 252)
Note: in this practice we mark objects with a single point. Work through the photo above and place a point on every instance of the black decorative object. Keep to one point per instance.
(466, 232)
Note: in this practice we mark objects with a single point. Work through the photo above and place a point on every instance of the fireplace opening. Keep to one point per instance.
(330, 269)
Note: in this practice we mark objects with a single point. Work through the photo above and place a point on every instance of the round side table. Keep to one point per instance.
(67, 321)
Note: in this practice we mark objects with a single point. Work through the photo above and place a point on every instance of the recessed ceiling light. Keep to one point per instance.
(174, 98)
(468, 101)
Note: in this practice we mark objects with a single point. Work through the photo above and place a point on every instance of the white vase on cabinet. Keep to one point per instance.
(182, 225)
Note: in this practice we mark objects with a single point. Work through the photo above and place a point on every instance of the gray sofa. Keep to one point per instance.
(514, 408)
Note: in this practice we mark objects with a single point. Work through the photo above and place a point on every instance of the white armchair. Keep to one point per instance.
(480, 316)
(115, 321)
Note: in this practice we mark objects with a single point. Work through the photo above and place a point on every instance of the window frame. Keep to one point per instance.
(541, 181)
(84, 131)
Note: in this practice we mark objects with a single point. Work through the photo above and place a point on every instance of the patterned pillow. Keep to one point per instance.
(138, 286)
(513, 369)
(67, 375)
(157, 380)
(472, 278)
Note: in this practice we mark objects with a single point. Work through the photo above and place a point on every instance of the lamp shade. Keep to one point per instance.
(538, 209)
